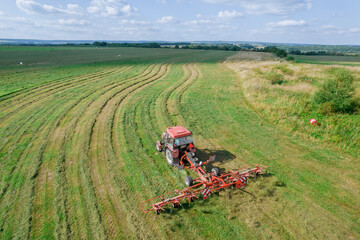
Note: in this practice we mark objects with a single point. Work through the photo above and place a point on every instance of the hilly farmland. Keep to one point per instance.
(78, 128)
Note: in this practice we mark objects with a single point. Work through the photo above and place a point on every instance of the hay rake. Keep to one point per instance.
(204, 185)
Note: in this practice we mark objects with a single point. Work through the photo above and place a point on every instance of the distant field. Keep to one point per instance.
(46, 64)
(11, 56)
(327, 60)
(78, 157)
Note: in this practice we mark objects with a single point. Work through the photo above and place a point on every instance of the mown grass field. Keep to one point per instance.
(78, 150)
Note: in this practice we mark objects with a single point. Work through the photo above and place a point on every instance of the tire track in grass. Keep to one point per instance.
(98, 153)
(81, 138)
(45, 167)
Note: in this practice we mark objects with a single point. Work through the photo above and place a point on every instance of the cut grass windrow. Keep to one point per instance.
(27, 131)
(99, 176)
(78, 111)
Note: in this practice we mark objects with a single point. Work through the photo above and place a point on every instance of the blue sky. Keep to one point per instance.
(294, 21)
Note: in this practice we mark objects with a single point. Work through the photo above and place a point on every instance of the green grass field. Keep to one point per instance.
(328, 60)
(77, 147)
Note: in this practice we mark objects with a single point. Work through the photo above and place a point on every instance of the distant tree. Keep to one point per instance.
(177, 46)
(281, 53)
(290, 58)
(100, 44)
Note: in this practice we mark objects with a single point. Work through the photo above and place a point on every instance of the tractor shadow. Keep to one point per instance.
(221, 156)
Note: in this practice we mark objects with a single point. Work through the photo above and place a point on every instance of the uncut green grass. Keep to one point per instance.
(328, 60)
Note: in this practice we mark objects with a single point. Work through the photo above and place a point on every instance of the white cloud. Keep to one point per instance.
(308, 4)
(107, 8)
(229, 14)
(73, 22)
(354, 30)
(260, 7)
(125, 21)
(4, 27)
(167, 19)
(196, 22)
(1, 13)
(287, 23)
(328, 27)
(337, 15)
(30, 6)
(161, 1)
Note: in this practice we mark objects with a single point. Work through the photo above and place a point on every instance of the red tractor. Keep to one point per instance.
(178, 146)
(174, 143)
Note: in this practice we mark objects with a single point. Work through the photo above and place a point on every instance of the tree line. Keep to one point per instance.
(138, 45)
(318, 53)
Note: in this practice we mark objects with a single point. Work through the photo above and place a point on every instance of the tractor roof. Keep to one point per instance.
(178, 131)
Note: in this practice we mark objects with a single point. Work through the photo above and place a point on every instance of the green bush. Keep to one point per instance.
(337, 91)
(290, 58)
(275, 78)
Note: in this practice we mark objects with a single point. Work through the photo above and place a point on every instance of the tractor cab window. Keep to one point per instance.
(183, 140)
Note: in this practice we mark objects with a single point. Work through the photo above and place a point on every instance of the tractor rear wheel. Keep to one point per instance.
(188, 181)
(169, 157)
(215, 171)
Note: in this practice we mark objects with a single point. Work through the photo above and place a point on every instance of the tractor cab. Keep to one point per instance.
(175, 141)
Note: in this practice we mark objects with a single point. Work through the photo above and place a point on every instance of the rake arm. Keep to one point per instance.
(203, 188)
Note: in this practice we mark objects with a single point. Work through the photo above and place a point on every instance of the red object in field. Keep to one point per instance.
(205, 184)
(313, 121)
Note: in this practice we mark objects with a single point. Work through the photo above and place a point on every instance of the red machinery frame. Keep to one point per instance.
(205, 184)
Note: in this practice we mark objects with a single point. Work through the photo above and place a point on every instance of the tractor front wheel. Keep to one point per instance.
(188, 181)
(158, 147)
